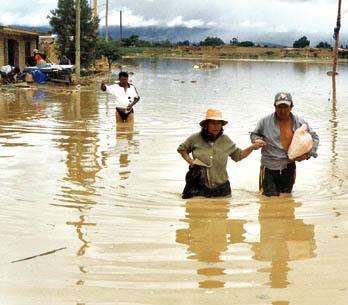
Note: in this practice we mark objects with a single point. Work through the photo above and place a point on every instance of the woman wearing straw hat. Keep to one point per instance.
(210, 149)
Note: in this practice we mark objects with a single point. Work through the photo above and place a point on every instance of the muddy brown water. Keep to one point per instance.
(91, 213)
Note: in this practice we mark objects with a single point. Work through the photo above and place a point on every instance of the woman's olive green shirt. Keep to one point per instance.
(214, 154)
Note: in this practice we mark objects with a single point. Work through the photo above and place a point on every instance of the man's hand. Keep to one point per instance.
(103, 85)
(301, 158)
(130, 106)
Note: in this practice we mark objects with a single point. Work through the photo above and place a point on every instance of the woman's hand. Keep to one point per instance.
(186, 156)
(258, 144)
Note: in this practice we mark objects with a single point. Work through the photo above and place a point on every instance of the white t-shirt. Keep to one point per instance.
(123, 98)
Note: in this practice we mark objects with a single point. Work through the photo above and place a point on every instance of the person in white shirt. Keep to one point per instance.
(126, 97)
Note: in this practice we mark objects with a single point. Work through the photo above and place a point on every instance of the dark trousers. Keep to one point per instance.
(274, 182)
(196, 181)
(124, 115)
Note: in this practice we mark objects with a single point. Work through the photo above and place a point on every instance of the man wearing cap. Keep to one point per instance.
(210, 149)
(277, 172)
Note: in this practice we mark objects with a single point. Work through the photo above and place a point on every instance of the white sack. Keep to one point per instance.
(301, 143)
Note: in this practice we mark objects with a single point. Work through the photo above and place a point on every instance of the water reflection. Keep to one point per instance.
(336, 180)
(26, 106)
(81, 144)
(208, 235)
(124, 145)
(81, 229)
(301, 67)
(39, 96)
(67, 153)
(283, 238)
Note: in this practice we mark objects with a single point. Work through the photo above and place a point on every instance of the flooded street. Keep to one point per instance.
(91, 213)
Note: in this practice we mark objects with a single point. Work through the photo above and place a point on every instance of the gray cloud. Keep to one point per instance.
(226, 17)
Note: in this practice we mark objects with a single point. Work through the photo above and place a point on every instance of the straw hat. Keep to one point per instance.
(213, 114)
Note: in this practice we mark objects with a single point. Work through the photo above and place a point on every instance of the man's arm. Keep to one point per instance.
(130, 106)
(257, 133)
(315, 137)
(135, 100)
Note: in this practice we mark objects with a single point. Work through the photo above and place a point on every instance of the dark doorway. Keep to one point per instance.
(12, 52)
(27, 49)
(29, 59)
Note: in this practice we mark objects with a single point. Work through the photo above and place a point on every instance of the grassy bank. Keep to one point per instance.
(233, 53)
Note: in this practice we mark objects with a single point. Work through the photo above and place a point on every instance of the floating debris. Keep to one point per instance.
(205, 66)
(41, 254)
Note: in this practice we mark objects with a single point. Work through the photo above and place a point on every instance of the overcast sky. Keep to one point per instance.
(231, 16)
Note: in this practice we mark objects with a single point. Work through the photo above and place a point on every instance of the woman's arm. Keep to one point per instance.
(256, 145)
(186, 156)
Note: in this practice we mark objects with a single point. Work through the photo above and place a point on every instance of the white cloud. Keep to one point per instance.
(224, 16)
(8, 18)
(128, 19)
(193, 23)
(248, 24)
(211, 23)
(179, 21)
(175, 22)
(280, 29)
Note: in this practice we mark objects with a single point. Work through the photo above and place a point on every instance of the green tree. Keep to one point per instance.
(110, 49)
(131, 41)
(234, 41)
(63, 20)
(301, 43)
(246, 44)
(183, 43)
(212, 41)
(323, 45)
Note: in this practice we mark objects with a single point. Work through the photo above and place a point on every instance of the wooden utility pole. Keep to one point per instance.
(77, 39)
(95, 5)
(106, 19)
(121, 34)
(335, 52)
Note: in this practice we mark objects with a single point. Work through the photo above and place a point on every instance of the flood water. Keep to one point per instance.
(91, 213)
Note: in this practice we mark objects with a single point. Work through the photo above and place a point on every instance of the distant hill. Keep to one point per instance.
(175, 34)
(152, 33)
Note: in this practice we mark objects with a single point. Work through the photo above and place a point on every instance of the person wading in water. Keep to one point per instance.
(210, 149)
(126, 96)
(277, 172)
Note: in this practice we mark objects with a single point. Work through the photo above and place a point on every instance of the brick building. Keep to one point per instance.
(16, 45)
